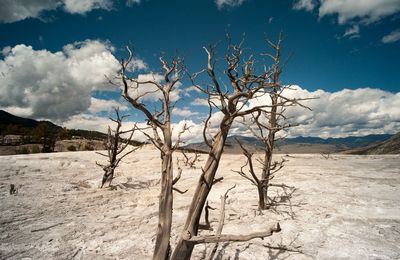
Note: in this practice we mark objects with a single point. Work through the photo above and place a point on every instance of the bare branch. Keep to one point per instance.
(211, 72)
(234, 238)
(179, 191)
(211, 254)
(182, 131)
(177, 178)
(189, 161)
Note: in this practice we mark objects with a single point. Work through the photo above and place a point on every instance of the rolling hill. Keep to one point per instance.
(24, 135)
(11, 124)
(390, 146)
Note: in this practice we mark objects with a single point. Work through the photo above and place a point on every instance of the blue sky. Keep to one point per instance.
(345, 52)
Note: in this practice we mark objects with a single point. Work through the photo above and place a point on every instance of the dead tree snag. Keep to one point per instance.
(135, 91)
(115, 146)
(265, 124)
(190, 161)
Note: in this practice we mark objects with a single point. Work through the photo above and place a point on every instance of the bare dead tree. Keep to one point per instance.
(265, 124)
(233, 102)
(136, 91)
(190, 161)
(326, 155)
(253, 178)
(246, 84)
(115, 146)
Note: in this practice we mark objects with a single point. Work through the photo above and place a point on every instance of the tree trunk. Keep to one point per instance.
(270, 143)
(162, 247)
(265, 176)
(261, 199)
(184, 248)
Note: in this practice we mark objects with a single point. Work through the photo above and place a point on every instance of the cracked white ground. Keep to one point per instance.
(345, 207)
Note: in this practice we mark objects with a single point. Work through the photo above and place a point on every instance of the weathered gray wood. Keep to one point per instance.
(159, 121)
(115, 149)
(221, 222)
(234, 238)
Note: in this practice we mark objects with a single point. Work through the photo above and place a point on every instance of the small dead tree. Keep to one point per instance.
(162, 86)
(326, 155)
(116, 147)
(265, 124)
(190, 161)
(262, 183)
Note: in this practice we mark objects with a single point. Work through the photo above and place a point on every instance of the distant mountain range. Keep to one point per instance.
(303, 144)
(370, 144)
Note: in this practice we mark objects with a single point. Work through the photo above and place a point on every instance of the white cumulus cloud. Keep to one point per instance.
(17, 10)
(363, 11)
(54, 85)
(101, 105)
(84, 6)
(366, 10)
(200, 102)
(184, 112)
(347, 112)
(149, 91)
(137, 65)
